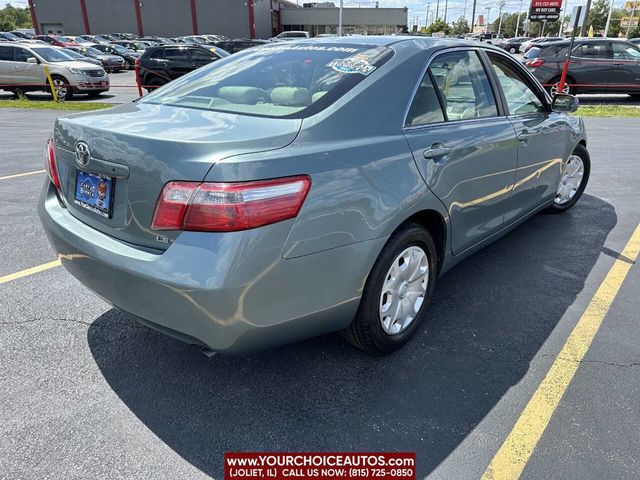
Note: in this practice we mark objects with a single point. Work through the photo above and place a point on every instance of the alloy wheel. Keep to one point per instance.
(60, 87)
(555, 89)
(404, 290)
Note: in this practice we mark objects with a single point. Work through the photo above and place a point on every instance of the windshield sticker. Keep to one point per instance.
(310, 48)
(356, 64)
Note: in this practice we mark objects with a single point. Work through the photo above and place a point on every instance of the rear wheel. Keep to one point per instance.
(62, 87)
(153, 83)
(554, 87)
(397, 292)
(573, 181)
(512, 49)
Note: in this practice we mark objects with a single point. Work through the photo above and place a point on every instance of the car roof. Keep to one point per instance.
(387, 40)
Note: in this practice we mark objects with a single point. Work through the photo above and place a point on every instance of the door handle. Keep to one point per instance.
(524, 136)
(436, 150)
(618, 64)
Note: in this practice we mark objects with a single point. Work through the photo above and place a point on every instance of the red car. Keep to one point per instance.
(57, 40)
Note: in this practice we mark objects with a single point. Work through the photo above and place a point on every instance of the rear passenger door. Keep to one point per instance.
(591, 66)
(200, 58)
(177, 61)
(465, 149)
(542, 137)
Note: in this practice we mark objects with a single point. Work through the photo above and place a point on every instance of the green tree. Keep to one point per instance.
(439, 26)
(461, 27)
(12, 18)
(598, 15)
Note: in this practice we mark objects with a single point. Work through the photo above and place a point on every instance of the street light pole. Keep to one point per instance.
(340, 19)
(446, 7)
(518, 20)
(606, 27)
(473, 16)
(486, 20)
(501, 4)
(564, 12)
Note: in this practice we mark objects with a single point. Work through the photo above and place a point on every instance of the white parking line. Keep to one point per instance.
(8, 177)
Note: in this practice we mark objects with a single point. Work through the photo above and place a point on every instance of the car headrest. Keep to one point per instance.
(244, 95)
(291, 96)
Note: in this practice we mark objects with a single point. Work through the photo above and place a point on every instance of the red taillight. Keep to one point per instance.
(536, 62)
(228, 207)
(137, 62)
(50, 164)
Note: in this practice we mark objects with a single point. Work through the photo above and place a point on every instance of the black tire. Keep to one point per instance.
(68, 90)
(366, 331)
(571, 90)
(581, 152)
(512, 50)
(153, 83)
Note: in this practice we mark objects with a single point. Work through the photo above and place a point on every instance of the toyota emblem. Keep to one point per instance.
(83, 154)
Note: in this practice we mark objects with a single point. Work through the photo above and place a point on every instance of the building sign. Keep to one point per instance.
(545, 10)
(632, 6)
(625, 22)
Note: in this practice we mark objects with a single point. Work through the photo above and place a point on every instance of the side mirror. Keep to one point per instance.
(565, 103)
(32, 60)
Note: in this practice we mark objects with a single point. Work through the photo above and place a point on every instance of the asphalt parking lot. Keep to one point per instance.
(123, 89)
(85, 392)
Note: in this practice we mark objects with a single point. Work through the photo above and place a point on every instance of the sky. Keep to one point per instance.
(418, 8)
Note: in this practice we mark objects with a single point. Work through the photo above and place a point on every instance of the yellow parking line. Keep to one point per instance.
(516, 450)
(29, 271)
(21, 174)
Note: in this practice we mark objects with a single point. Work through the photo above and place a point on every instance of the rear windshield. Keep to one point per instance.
(532, 52)
(281, 80)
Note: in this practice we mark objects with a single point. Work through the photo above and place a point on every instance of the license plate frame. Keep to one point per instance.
(94, 193)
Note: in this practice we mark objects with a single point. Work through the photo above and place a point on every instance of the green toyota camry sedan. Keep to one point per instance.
(301, 188)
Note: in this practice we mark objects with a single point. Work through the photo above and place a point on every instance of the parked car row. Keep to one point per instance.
(597, 66)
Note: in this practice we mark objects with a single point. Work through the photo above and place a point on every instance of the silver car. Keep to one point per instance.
(300, 188)
(22, 70)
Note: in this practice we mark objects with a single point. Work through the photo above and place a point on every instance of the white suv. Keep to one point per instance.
(22, 69)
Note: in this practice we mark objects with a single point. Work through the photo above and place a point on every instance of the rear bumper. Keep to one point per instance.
(230, 292)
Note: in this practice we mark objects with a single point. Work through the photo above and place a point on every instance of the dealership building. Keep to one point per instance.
(233, 18)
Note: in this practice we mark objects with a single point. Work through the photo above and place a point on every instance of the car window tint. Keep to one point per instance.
(463, 85)
(198, 56)
(425, 107)
(623, 51)
(521, 99)
(21, 55)
(592, 50)
(176, 54)
(6, 54)
(533, 52)
(555, 51)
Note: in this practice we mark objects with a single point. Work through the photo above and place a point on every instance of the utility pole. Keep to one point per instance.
(446, 7)
(586, 18)
(437, 9)
(426, 21)
(501, 5)
(473, 15)
(606, 27)
(486, 20)
(564, 12)
(633, 12)
(518, 20)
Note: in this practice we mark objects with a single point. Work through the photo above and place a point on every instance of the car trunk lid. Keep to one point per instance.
(144, 146)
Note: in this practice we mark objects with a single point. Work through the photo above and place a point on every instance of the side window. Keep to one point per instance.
(521, 99)
(463, 86)
(176, 54)
(623, 51)
(21, 55)
(6, 54)
(425, 107)
(201, 58)
(158, 53)
(592, 50)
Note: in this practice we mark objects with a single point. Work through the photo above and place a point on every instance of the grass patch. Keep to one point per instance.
(51, 105)
(628, 111)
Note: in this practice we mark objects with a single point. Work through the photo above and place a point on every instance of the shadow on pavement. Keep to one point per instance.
(489, 317)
